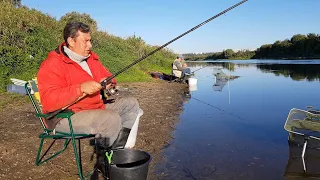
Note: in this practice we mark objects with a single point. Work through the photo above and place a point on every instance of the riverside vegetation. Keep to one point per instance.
(298, 46)
(27, 35)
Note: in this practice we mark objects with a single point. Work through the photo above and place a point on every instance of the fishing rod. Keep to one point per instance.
(200, 68)
(107, 81)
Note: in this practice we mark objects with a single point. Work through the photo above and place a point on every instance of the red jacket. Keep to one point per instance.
(59, 80)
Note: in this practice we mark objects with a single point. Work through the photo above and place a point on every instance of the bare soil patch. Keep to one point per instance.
(160, 101)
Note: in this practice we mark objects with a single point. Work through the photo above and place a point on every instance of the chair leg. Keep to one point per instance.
(39, 160)
(79, 166)
(77, 156)
(80, 159)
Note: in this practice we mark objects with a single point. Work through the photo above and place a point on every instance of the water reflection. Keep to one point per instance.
(297, 72)
(293, 69)
(294, 169)
(221, 79)
(244, 139)
(187, 95)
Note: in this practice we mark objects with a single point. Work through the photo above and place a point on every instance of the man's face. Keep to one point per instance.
(81, 44)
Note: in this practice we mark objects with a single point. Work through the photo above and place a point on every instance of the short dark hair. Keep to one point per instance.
(71, 29)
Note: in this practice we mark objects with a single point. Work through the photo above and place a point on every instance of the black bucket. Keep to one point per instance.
(129, 164)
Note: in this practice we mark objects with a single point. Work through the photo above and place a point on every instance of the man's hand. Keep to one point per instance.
(184, 65)
(108, 86)
(90, 87)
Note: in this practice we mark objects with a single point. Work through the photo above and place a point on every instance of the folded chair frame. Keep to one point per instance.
(57, 135)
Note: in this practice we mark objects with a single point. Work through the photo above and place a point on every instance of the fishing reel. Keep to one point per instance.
(112, 91)
(108, 92)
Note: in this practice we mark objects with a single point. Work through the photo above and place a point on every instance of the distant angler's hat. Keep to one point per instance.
(180, 56)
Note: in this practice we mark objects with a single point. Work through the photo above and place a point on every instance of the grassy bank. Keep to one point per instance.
(27, 35)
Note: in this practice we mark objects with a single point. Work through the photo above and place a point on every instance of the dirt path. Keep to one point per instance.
(160, 101)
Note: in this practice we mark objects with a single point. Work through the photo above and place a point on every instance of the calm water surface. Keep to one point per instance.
(234, 129)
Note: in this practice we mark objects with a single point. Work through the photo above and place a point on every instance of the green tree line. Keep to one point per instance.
(27, 35)
(299, 46)
(297, 72)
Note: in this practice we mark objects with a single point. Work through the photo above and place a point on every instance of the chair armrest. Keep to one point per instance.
(42, 115)
(60, 115)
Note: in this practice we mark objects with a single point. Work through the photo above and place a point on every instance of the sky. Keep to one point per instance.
(248, 26)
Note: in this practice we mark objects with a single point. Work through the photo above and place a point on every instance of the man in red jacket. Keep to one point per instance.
(73, 70)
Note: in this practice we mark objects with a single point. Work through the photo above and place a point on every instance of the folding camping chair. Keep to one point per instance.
(182, 79)
(306, 125)
(32, 92)
(174, 78)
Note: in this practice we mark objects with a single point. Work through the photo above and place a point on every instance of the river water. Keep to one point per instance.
(232, 127)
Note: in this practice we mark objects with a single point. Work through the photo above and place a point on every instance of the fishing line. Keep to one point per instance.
(200, 68)
(166, 44)
(229, 82)
(271, 142)
(222, 110)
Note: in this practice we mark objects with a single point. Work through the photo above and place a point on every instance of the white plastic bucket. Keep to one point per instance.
(192, 81)
(193, 87)
(133, 133)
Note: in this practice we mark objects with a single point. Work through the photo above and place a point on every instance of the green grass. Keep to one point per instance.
(28, 35)
(11, 99)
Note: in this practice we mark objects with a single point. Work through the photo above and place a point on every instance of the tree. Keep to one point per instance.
(85, 18)
(263, 51)
(228, 53)
(298, 48)
(15, 3)
(298, 37)
(312, 36)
